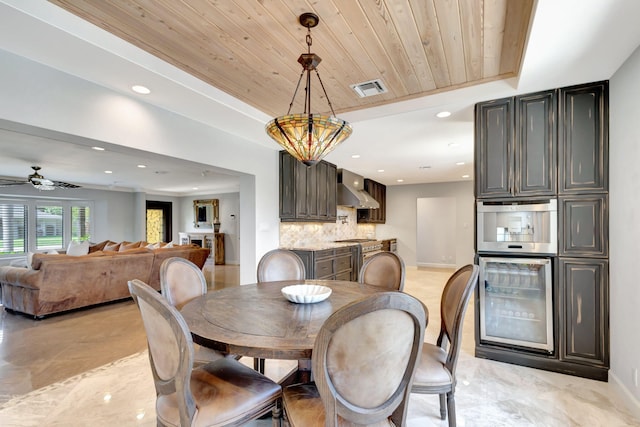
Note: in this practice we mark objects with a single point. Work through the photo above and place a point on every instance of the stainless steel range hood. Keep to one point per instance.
(351, 191)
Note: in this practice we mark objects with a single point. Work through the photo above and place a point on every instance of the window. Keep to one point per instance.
(49, 227)
(13, 228)
(39, 225)
(80, 223)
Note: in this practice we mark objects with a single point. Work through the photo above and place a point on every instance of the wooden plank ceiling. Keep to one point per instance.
(249, 48)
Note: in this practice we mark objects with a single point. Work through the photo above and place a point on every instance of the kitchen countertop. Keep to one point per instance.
(319, 246)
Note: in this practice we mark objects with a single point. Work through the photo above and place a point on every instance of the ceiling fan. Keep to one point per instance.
(38, 181)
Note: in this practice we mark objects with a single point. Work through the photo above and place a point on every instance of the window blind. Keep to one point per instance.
(13, 228)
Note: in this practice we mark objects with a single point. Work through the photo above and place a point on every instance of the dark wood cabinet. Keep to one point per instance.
(536, 144)
(379, 192)
(330, 264)
(494, 148)
(583, 225)
(584, 318)
(307, 193)
(219, 248)
(584, 138)
(516, 146)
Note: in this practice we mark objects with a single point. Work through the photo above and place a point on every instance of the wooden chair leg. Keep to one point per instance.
(451, 409)
(443, 407)
(276, 414)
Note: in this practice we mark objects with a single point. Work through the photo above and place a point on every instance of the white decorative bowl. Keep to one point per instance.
(304, 294)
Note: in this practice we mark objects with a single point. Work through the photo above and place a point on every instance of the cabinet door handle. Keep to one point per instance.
(515, 246)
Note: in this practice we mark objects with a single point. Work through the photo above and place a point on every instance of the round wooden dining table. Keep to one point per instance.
(256, 320)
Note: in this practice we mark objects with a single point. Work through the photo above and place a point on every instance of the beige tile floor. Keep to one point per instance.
(89, 368)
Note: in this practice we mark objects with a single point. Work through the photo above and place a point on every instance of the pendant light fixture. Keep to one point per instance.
(307, 136)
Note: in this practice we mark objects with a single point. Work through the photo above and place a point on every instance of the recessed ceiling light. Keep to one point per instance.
(98, 148)
(142, 90)
(194, 188)
(465, 176)
(355, 156)
(443, 114)
(453, 144)
(108, 171)
(400, 180)
(142, 166)
(380, 170)
(460, 163)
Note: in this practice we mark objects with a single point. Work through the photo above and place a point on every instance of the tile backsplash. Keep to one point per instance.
(294, 234)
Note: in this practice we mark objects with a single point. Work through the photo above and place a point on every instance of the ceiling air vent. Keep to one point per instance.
(370, 88)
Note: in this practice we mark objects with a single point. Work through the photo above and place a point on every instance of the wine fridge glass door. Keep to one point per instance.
(516, 302)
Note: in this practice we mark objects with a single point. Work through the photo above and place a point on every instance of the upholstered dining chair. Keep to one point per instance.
(275, 265)
(363, 363)
(222, 392)
(436, 372)
(180, 282)
(384, 269)
(280, 264)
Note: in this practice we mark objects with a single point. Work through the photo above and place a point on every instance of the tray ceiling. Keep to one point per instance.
(249, 49)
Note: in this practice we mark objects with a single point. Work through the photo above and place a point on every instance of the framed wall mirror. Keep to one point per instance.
(206, 213)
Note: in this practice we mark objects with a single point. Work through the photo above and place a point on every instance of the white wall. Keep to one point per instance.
(624, 225)
(402, 217)
(37, 95)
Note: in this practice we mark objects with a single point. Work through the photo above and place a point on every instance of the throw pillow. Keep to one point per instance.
(153, 245)
(111, 246)
(78, 248)
(29, 259)
(125, 246)
(20, 262)
(53, 252)
(168, 245)
(98, 246)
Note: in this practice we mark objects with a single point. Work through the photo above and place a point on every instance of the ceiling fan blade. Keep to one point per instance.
(61, 184)
(9, 183)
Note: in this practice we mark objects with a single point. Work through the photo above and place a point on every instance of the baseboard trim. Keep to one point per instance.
(629, 399)
(432, 265)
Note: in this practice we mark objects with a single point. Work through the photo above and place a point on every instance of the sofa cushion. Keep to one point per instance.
(111, 246)
(132, 251)
(98, 246)
(78, 248)
(125, 246)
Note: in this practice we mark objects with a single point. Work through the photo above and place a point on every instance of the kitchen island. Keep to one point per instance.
(329, 260)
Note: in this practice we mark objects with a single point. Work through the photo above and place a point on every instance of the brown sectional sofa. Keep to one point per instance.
(60, 282)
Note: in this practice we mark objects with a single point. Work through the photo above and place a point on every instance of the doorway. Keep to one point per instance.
(158, 223)
(436, 232)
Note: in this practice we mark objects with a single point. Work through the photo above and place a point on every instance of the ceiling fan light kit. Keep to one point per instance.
(308, 137)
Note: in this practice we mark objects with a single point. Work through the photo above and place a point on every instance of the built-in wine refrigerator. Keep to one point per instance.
(515, 302)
